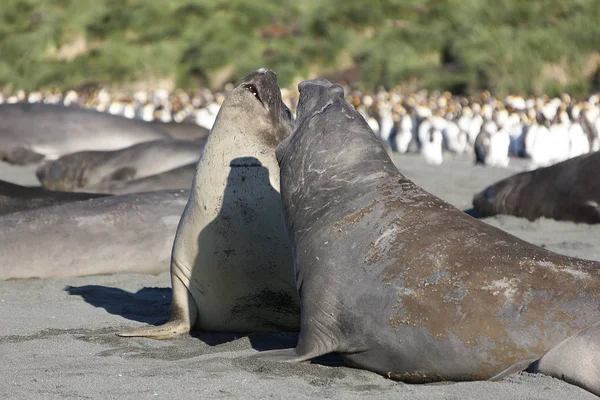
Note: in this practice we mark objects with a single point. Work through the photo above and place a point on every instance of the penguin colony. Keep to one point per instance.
(542, 129)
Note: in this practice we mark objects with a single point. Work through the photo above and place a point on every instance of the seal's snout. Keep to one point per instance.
(266, 71)
(336, 90)
(319, 82)
(40, 172)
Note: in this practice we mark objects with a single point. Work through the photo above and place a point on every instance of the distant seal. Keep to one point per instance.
(31, 132)
(568, 191)
(177, 178)
(86, 169)
(15, 198)
(232, 268)
(132, 233)
(182, 130)
(401, 283)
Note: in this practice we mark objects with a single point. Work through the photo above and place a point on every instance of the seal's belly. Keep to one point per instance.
(238, 261)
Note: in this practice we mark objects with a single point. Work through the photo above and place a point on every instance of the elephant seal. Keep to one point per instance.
(402, 283)
(567, 191)
(132, 233)
(232, 268)
(86, 169)
(182, 130)
(15, 197)
(31, 132)
(178, 178)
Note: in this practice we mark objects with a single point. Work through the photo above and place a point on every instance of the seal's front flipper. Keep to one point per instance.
(575, 360)
(122, 174)
(513, 369)
(182, 316)
(285, 355)
(166, 331)
(21, 156)
(309, 346)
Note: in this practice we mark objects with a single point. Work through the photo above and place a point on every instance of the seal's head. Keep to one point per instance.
(259, 95)
(315, 97)
(66, 173)
(485, 202)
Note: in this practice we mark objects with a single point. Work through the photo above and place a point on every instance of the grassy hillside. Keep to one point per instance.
(528, 47)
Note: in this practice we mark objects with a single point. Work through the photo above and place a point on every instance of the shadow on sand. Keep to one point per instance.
(248, 189)
(148, 305)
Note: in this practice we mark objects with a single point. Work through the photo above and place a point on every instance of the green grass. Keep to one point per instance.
(505, 46)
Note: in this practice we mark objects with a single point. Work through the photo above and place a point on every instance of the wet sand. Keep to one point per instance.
(57, 336)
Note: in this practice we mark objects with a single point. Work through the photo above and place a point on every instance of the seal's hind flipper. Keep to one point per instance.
(21, 156)
(166, 331)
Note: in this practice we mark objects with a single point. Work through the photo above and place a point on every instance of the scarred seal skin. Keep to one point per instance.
(232, 267)
(402, 283)
(568, 191)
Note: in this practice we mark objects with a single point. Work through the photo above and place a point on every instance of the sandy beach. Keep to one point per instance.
(57, 336)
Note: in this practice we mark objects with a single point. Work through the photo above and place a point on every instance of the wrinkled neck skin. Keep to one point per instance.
(332, 157)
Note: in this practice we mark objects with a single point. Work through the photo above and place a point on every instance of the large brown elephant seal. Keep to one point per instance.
(31, 132)
(569, 191)
(232, 268)
(86, 169)
(131, 233)
(402, 283)
(15, 197)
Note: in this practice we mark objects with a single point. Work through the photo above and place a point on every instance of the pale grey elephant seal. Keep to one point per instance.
(177, 178)
(232, 268)
(569, 191)
(31, 132)
(15, 198)
(85, 169)
(401, 283)
(132, 233)
(182, 130)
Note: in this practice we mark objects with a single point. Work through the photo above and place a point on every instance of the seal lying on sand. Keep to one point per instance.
(231, 268)
(132, 233)
(18, 198)
(31, 132)
(178, 178)
(182, 130)
(569, 190)
(401, 283)
(88, 168)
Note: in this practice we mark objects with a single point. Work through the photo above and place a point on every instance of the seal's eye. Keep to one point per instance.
(252, 89)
